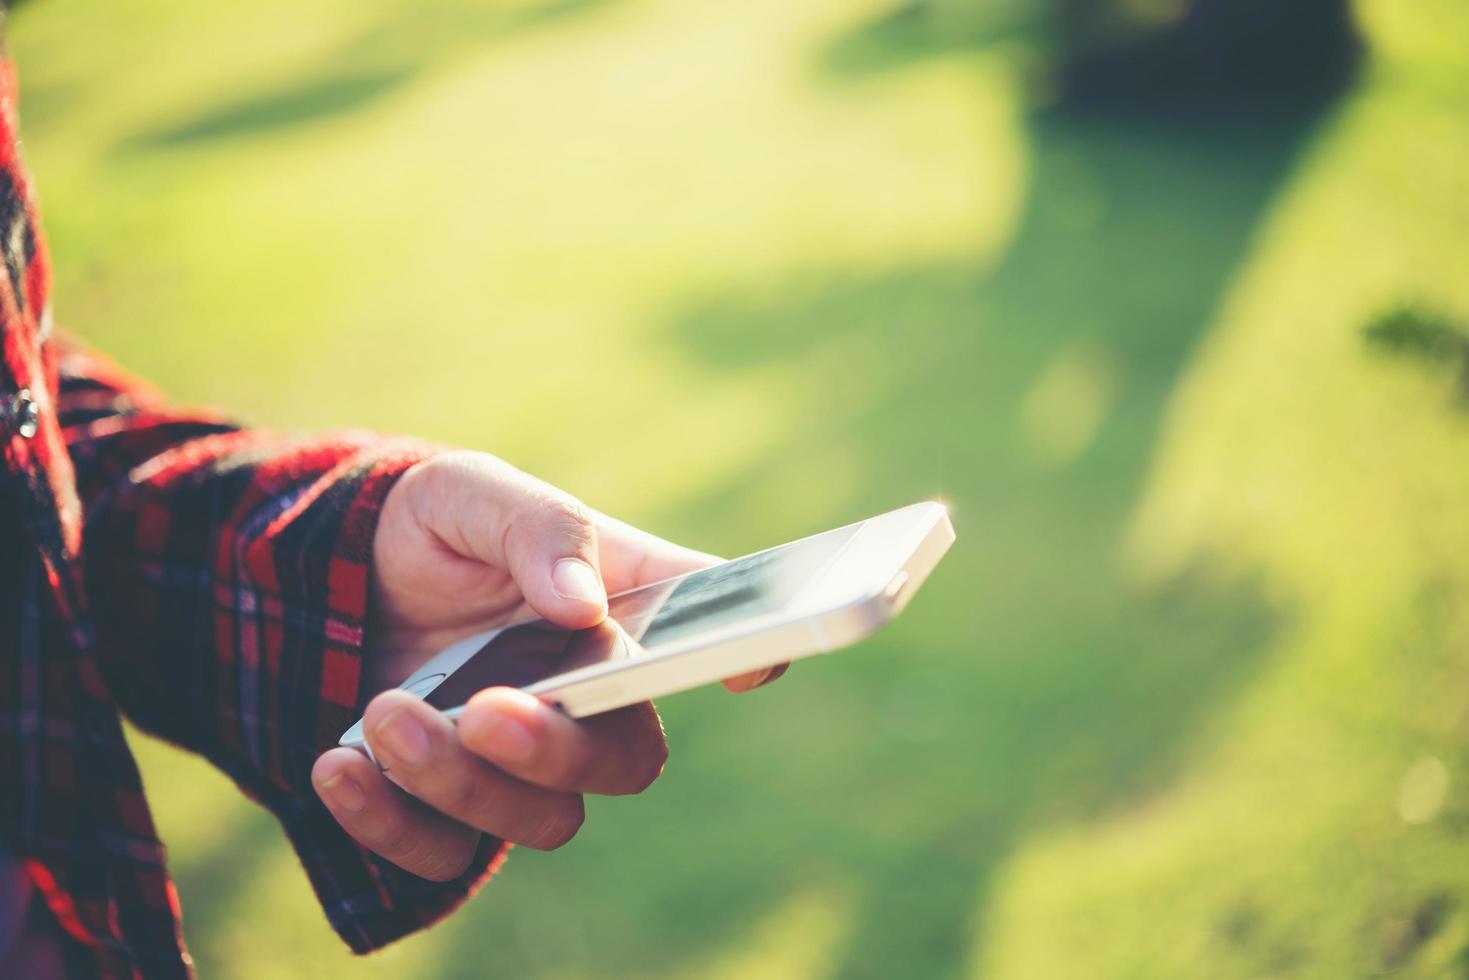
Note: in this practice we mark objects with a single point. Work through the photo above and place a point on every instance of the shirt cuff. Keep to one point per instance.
(321, 557)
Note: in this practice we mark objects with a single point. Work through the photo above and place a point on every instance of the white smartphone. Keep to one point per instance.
(810, 596)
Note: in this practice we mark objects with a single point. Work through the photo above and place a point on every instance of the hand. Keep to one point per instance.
(464, 543)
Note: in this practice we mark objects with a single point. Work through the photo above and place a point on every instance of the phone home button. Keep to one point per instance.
(421, 687)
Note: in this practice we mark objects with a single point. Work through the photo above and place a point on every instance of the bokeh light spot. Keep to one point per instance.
(1067, 403)
(1424, 789)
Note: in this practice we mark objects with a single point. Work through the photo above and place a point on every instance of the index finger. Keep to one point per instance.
(613, 754)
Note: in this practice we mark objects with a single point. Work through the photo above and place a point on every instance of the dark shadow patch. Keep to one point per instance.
(400, 47)
(1240, 925)
(1236, 58)
(1413, 333)
(548, 14)
(1406, 936)
(1217, 59)
(313, 101)
(905, 34)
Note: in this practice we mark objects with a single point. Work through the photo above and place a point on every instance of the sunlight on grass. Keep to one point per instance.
(526, 206)
(1426, 38)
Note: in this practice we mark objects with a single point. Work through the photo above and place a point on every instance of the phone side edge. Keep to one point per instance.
(657, 678)
(796, 640)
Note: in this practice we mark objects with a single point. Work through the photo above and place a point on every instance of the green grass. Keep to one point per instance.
(1186, 699)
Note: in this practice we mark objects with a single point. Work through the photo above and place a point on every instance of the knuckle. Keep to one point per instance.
(565, 512)
(547, 516)
(424, 482)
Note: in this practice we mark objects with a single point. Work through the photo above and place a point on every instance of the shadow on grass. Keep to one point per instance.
(1242, 59)
(315, 100)
(1410, 331)
(908, 33)
(368, 67)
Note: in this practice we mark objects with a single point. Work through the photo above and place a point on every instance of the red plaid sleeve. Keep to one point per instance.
(228, 573)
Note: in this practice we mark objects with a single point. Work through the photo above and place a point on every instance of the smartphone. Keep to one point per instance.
(810, 596)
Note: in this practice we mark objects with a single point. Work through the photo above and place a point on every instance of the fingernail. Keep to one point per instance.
(507, 740)
(573, 578)
(345, 792)
(404, 738)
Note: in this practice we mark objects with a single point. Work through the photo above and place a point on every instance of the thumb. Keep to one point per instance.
(486, 509)
(551, 552)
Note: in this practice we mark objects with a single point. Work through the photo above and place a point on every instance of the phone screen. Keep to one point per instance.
(646, 621)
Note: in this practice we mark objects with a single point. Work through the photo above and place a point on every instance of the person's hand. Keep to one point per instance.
(465, 542)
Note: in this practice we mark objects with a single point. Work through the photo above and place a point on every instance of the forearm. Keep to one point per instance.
(228, 576)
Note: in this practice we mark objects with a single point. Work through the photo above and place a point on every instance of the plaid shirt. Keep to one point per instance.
(210, 582)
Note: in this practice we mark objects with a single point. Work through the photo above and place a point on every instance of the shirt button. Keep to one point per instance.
(21, 413)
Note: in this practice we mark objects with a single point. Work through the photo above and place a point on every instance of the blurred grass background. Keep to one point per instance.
(1188, 698)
